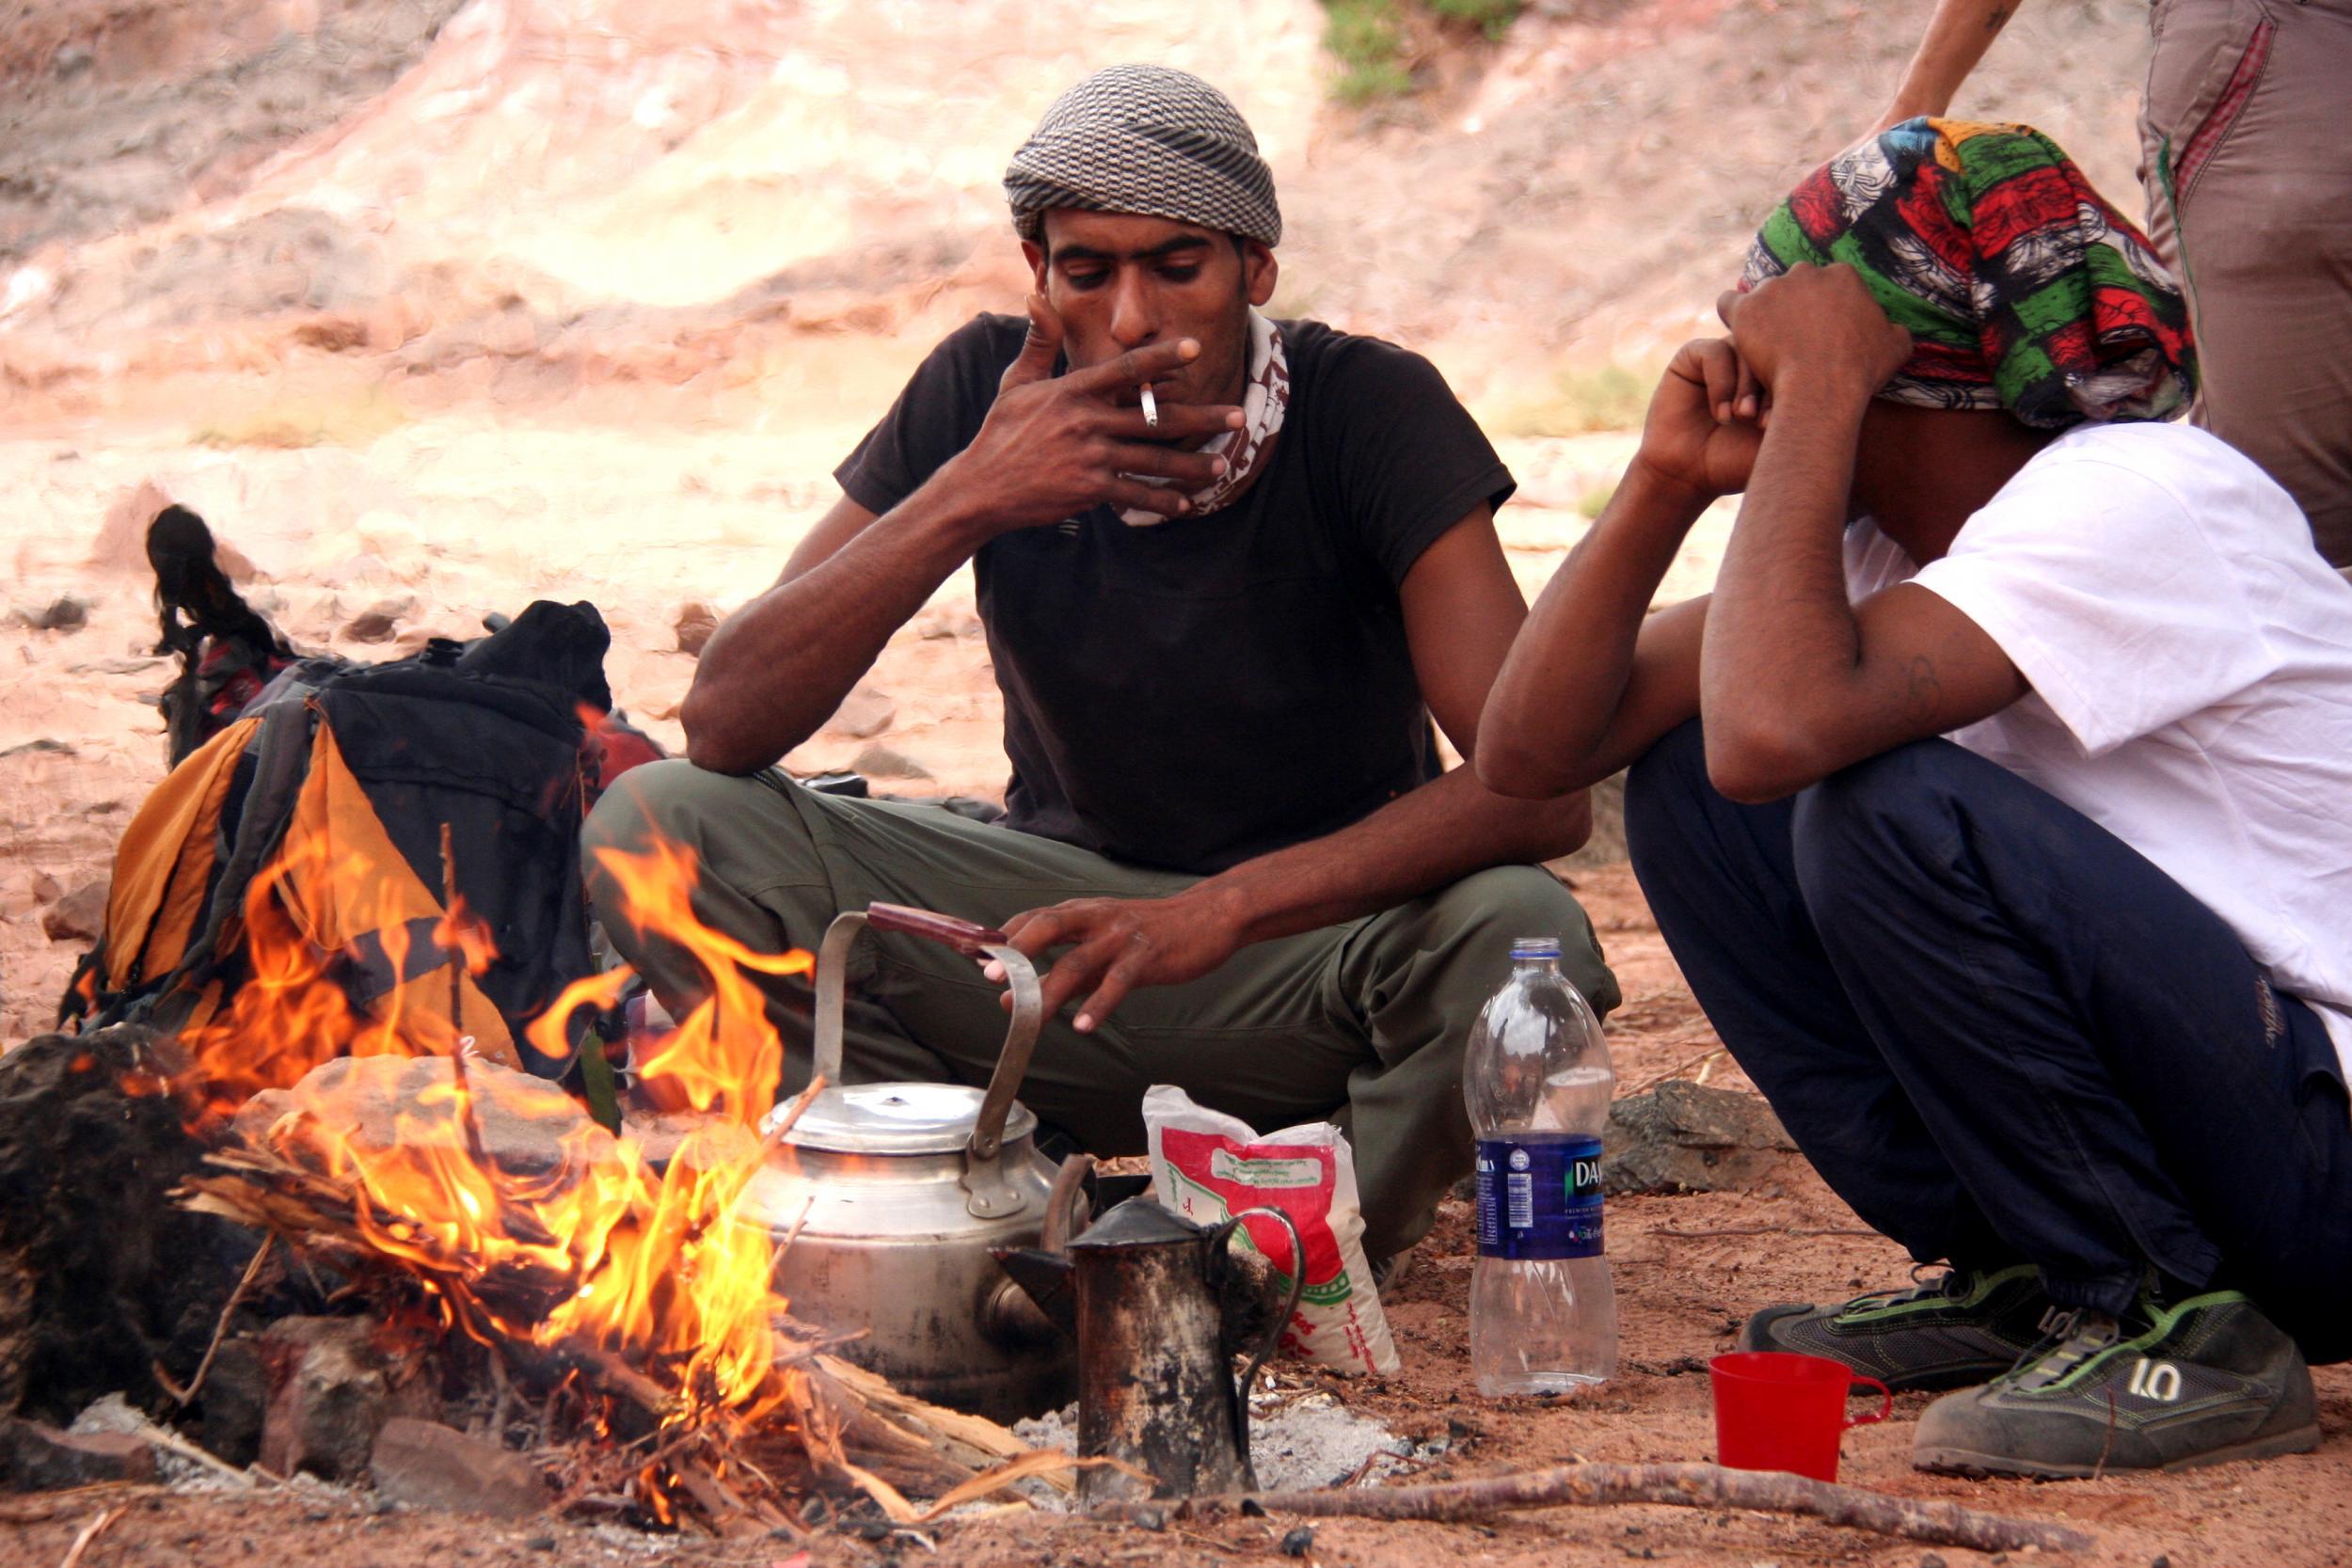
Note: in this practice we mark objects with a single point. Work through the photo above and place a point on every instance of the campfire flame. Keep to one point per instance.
(292, 1012)
(652, 1266)
(723, 1059)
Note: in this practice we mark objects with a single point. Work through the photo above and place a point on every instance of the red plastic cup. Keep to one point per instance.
(1775, 1410)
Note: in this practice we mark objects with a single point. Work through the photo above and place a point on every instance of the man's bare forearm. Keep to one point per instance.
(778, 667)
(1958, 34)
(1555, 705)
(1436, 834)
(1781, 644)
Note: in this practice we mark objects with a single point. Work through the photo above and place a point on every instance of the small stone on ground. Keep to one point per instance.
(426, 1464)
(38, 1457)
(79, 916)
(880, 762)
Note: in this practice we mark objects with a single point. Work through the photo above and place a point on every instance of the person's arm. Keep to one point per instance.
(1050, 447)
(1795, 681)
(1958, 34)
(1461, 608)
(1594, 678)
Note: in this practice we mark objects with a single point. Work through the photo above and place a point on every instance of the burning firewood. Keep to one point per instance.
(653, 1429)
(615, 1309)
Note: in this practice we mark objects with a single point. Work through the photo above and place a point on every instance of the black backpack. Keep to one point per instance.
(465, 769)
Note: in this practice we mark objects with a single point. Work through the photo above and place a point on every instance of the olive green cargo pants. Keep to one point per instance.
(1363, 1024)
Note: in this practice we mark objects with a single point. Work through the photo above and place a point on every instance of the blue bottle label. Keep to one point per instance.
(1538, 1197)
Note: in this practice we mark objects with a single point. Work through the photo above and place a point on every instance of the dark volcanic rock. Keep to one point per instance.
(64, 613)
(696, 620)
(38, 1457)
(101, 1274)
(1688, 1138)
(378, 621)
(880, 762)
(231, 1406)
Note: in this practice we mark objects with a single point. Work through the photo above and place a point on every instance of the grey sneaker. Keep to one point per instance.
(1960, 1328)
(2207, 1379)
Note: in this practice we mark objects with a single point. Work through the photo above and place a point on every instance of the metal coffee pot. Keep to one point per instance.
(887, 1199)
(1159, 1310)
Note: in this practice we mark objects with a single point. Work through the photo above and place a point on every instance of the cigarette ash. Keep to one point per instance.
(1297, 1442)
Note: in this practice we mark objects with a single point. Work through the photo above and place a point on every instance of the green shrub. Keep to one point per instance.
(1490, 17)
(1372, 39)
(1367, 38)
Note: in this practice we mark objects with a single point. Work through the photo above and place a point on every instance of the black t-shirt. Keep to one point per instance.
(1195, 693)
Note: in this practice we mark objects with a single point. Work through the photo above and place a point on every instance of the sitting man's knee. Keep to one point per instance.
(1666, 789)
(675, 802)
(656, 799)
(1870, 828)
(1491, 908)
(1864, 801)
(1666, 774)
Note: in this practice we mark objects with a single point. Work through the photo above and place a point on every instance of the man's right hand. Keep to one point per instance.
(1705, 421)
(1053, 446)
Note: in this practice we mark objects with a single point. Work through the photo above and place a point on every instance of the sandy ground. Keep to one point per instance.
(1687, 1268)
(651, 519)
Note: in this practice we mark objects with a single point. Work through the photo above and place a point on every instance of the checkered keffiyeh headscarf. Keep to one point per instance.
(2021, 288)
(1145, 139)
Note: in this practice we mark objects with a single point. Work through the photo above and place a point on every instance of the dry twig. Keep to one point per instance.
(1759, 1230)
(1676, 1071)
(90, 1532)
(41, 1510)
(1711, 1486)
(220, 1328)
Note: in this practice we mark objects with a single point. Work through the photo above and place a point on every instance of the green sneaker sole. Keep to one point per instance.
(1960, 1462)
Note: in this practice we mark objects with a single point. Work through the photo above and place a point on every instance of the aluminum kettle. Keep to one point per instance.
(886, 1200)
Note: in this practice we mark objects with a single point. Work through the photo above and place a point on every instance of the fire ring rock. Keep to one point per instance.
(426, 1464)
(102, 1275)
(38, 1457)
(334, 1383)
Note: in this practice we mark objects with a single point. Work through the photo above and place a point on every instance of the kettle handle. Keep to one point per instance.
(967, 937)
(990, 1196)
(833, 963)
(1219, 1241)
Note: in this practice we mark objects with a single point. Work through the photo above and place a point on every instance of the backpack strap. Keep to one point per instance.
(281, 756)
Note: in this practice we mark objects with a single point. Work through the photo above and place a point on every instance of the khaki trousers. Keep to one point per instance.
(2248, 166)
(1363, 1024)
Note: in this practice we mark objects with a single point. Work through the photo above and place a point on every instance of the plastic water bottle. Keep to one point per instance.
(1537, 1080)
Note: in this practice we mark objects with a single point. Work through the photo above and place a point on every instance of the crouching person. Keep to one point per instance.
(1993, 805)
(1231, 568)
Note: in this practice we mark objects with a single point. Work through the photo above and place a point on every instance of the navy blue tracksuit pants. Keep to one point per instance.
(2002, 1034)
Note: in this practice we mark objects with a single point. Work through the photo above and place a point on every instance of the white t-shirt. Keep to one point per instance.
(2190, 655)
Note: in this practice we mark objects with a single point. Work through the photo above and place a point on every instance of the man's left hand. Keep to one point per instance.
(1116, 944)
(1815, 324)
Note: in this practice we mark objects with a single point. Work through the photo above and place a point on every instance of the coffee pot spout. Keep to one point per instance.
(1047, 1278)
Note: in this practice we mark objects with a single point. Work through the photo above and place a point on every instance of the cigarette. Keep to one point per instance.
(1150, 408)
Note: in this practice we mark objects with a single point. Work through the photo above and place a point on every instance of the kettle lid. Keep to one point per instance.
(893, 1119)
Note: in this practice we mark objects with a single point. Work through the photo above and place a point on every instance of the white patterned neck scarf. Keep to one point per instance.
(1267, 394)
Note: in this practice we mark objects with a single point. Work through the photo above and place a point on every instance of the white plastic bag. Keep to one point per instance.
(1209, 1167)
